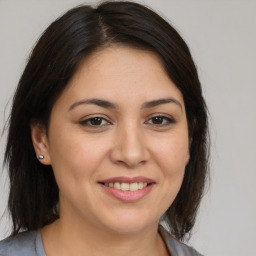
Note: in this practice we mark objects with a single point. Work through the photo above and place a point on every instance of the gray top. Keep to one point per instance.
(30, 244)
(24, 244)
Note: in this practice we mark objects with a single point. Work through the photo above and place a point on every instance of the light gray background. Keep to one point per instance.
(222, 37)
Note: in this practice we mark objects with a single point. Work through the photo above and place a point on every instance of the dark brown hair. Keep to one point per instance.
(33, 198)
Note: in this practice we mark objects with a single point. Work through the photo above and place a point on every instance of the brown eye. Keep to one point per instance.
(160, 120)
(157, 120)
(94, 121)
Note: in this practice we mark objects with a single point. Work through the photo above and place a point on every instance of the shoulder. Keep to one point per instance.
(25, 243)
(175, 247)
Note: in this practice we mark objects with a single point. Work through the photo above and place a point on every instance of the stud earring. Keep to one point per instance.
(40, 156)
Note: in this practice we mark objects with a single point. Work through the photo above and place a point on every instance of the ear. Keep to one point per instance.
(187, 158)
(188, 153)
(40, 142)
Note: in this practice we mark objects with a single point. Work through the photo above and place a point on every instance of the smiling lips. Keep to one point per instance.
(126, 186)
(128, 189)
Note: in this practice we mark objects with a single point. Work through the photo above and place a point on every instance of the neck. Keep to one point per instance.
(65, 238)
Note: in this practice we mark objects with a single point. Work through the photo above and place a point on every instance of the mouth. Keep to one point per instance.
(127, 186)
(128, 189)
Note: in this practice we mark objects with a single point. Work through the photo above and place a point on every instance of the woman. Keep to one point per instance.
(107, 137)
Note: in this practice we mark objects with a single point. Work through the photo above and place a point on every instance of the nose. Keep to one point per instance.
(129, 147)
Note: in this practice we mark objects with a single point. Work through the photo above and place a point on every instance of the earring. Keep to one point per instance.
(40, 156)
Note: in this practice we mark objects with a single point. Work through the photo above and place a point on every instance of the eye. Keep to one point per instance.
(95, 122)
(160, 120)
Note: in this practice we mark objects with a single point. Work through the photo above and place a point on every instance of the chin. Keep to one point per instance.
(131, 222)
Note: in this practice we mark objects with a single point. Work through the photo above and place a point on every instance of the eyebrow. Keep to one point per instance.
(154, 103)
(111, 105)
(98, 102)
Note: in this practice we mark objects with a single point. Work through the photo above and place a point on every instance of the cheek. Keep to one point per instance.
(172, 155)
(172, 159)
(74, 157)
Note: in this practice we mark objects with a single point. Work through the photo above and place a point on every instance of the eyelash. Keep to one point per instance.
(164, 118)
(86, 121)
(169, 120)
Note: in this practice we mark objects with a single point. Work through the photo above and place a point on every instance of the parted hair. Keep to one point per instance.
(34, 194)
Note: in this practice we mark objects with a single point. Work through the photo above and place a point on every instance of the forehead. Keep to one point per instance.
(122, 56)
(122, 73)
(118, 59)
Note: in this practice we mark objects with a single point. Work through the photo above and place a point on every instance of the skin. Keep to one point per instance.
(128, 141)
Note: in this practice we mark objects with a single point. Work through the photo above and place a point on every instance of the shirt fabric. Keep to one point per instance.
(30, 244)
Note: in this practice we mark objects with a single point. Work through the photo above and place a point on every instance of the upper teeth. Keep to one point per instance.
(127, 186)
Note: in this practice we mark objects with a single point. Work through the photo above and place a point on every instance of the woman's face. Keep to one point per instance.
(118, 141)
